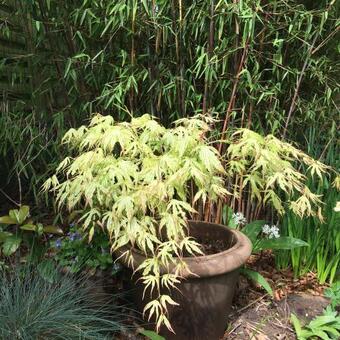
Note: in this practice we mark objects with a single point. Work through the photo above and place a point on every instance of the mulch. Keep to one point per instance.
(256, 315)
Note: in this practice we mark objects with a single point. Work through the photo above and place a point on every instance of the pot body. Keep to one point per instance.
(204, 300)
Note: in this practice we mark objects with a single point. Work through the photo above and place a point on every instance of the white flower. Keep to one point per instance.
(266, 229)
(239, 219)
(271, 231)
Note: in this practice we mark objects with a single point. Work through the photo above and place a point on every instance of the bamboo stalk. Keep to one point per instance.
(232, 97)
(297, 88)
(207, 83)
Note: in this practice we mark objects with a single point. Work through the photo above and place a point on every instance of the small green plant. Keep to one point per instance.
(74, 252)
(263, 237)
(333, 293)
(326, 326)
(34, 308)
(17, 227)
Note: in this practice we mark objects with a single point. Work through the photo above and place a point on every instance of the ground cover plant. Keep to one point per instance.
(325, 326)
(18, 228)
(75, 254)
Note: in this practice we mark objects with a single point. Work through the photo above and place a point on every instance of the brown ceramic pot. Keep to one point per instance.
(204, 298)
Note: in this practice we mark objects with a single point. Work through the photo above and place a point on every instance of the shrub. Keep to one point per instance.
(134, 179)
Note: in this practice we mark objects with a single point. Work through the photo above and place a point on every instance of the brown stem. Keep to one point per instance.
(297, 88)
(207, 83)
(326, 40)
(73, 48)
(132, 57)
(53, 48)
(250, 113)
(247, 214)
(233, 95)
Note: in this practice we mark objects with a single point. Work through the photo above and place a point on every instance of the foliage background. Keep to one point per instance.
(269, 65)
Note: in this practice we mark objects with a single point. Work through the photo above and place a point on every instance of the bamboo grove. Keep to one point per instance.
(266, 65)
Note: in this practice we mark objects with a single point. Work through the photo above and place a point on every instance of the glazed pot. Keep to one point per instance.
(204, 297)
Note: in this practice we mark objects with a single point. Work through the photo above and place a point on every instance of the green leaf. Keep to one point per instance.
(8, 220)
(258, 278)
(322, 320)
(151, 335)
(285, 242)
(28, 227)
(227, 217)
(51, 229)
(253, 229)
(11, 245)
(14, 215)
(23, 213)
(321, 334)
(297, 325)
(4, 235)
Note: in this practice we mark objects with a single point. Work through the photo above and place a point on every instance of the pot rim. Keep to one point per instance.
(203, 265)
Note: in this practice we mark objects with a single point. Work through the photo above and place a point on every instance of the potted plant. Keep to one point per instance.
(135, 181)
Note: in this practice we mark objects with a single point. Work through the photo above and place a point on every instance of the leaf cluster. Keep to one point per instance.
(270, 170)
(62, 61)
(325, 326)
(16, 224)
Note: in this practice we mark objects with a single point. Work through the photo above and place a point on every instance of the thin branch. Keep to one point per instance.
(233, 95)
(298, 83)
(9, 198)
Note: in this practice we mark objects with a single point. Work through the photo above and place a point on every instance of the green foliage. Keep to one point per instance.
(261, 235)
(333, 293)
(323, 236)
(33, 308)
(151, 335)
(326, 326)
(270, 170)
(17, 224)
(281, 243)
(261, 240)
(132, 180)
(258, 278)
(270, 66)
(74, 252)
